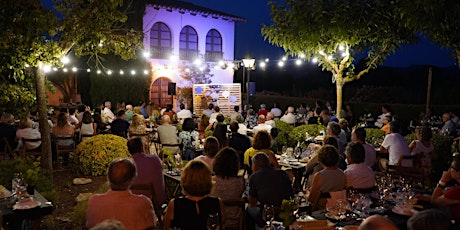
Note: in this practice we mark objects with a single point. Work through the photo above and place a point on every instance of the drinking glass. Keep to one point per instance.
(268, 214)
(284, 150)
(213, 222)
(298, 152)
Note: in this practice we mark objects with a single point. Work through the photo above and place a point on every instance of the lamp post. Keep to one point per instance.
(248, 63)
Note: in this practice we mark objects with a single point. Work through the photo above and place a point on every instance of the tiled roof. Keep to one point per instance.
(191, 8)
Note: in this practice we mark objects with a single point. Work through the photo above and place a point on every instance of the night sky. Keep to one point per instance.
(248, 36)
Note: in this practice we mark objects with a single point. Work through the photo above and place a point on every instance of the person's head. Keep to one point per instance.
(343, 123)
(220, 118)
(333, 129)
(358, 135)
(260, 161)
(290, 109)
(446, 117)
(274, 132)
(216, 109)
(169, 107)
(386, 109)
(129, 107)
(239, 118)
(196, 179)
(62, 120)
(7, 118)
(63, 110)
(394, 127)
(108, 104)
(182, 106)
(188, 125)
(81, 108)
(137, 110)
(109, 224)
(348, 107)
(87, 118)
(325, 114)
(165, 119)
(135, 145)
(234, 126)
(430, 219)
(261, 119)
(137, 120)
(121, 173)
(211, 146)
(226, 163)
(455, 168)
(236, 108)
(377, 222)
(121, 114)
(355, 153)
(204, 120)
(423, 133)
(72, 110)
(270, 116)
(262, 106)
(328, 156)
(211, 106)
(261, 140)
(26, 123)
(386, 119)
(329, 140)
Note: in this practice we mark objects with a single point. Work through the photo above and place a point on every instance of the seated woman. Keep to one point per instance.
(313, 165)
(228, 185)
(330, 179)
(220, 130)
(192, 210)
(211, 147)
(424, 150)
(63, 129)
(137, 127)
(26, 131)
(204, 123)
(261, 143)
(187, 137)
(87, 127)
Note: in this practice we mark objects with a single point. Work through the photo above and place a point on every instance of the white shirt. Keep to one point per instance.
(359, 176)
(28, 133)
(379, 121)
(271, 123)
(108, 115)
(261, 127)
(276, 111)
(73, 119)
(370, 158)
(242, 129)
(181, 115)
(213, 117)
(396, 146)
(289, 118)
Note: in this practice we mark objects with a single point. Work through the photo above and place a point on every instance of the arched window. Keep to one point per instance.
(213, 46)
(188, 43)
(160, 41)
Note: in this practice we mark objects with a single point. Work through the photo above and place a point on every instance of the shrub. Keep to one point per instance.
(283, 135)
(94, 154)
(33, 175)
(374, 136)
(299, 133)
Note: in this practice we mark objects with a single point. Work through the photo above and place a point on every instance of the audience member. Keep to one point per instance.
(169, 112)
(87, 126)
(276, 111)
(211, 147)
(236, 112)
(26, 131)
(238, 141)
(359, 135)
(261, 143)
(228, 186)
(261, 125)
(63, 129)
(242, 129)
(262, 110)
(209, 110)
(220, 130)
(120, 126)
(269, 120)
(386, 111)
(289, 116)
(73, 120)
(149, 171)
(134, 211)
(396, 146)
(183, 113)
(430, 219)
(187, 137)
(449, 127)
(251, 120)
(358, 174)
(107, 114)
(109, 224)
(192, 210)
(423, 149)
(377, 222)
(8, 131)
(204, 123)
(327, 117)
(313, 165)
(213, 117)
(168, 134)
(386, 124)
(137, 127)
(129, 112)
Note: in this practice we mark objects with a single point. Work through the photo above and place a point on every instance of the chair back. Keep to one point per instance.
(406, 161)
(240, 205)
(411, 174)
(32, 152)
(145, 141)
(7, 151)
(335, 196)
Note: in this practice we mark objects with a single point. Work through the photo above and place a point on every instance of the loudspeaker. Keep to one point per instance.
(171, 88)
(252, 88)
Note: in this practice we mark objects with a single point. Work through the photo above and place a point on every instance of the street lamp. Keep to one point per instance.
(248, 63)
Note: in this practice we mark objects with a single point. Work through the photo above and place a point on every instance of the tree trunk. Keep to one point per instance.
(339, 82)
(46, 159)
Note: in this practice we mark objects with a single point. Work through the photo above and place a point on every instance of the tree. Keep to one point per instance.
(34, 38)
(438, 20)
(335, 32)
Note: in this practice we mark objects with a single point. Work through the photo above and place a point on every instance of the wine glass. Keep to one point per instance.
(268, 215)
(213, 222)
(297, 153)
(284, 149)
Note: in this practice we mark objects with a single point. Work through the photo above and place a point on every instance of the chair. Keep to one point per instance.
(62, 148)
(240, 204)
(172, 147)
(84, 136)
(24, 152)
(145, 140)
(7, 151)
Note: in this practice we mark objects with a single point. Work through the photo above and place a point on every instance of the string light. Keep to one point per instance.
(280, 63)
(98, 72)
(74, 69)
(65, 70)
(65, 60)
(298, 62)
(122, 72)
(109, 72)
(146, 54)
(133, 72)
(46, 68)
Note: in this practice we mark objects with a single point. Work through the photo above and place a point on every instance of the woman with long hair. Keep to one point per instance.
(261, 143)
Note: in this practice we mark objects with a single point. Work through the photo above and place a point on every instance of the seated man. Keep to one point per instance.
(289, 116)
(357, 175)
(261, 125)
(183, 113)
(359, 135)
(396, 146)
(149, 171)
(267, 186)
(134, 211)
(168, 133)
(238, 141)
(120, 126)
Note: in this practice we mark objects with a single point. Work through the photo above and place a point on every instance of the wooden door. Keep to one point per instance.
(159, 92)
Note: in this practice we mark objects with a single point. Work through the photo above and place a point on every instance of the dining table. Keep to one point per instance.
(25, 217)
(172, 183)
(297, 167)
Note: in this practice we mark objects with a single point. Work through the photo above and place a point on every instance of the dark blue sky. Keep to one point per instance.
(248, 36)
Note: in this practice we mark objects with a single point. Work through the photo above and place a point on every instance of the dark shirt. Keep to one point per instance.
(240, 143)
(270, 186)
(220, 132)
(119, 127)
(9, 132)
(186, 216)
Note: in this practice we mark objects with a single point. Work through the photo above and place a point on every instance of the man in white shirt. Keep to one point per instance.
(269, 120)
(213, 116)
(209, 110)
(358, 175)
(359, 135)
(261, 125)
(183, 113)
(395, 145)
(107, 114)
(386, 111)
(276, 111)
(289, 117)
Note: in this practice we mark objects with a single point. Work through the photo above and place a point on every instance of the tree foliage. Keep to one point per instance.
(336, 32)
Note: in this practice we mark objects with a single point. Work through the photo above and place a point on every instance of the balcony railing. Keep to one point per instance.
(160, 52)
(213, 56)
(186, 54)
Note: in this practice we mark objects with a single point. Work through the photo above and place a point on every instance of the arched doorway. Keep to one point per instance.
(159, 92)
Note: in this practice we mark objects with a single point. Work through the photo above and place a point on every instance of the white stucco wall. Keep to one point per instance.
(176, 21)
